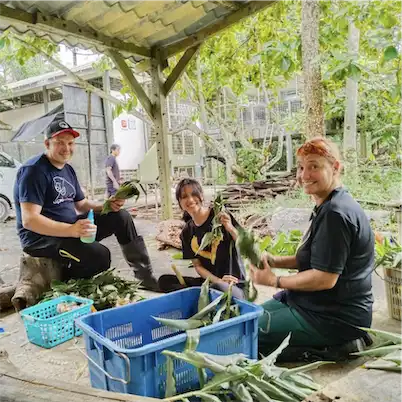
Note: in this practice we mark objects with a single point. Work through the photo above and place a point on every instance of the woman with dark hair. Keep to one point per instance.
(326, 302)
(226, 268)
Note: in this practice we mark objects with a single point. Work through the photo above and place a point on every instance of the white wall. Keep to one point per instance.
(129, 134)
(17, 117)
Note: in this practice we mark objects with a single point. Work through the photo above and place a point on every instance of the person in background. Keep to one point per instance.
(222, 265)
(326, 302)
(112, 171)
(51, 212)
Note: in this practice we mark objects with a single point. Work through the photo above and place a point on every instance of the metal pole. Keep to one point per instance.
(159, 119)
(89, 113)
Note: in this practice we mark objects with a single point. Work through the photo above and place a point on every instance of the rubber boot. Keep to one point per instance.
(137, 257)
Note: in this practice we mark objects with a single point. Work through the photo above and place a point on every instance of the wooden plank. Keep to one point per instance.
(136, 87)
(179, 69)
(200, 36)
(17, 386)
(55, 25)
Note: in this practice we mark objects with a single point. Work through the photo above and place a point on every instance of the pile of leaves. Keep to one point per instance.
(235, 377)
(388, 253)
(208, 313)
(105, 289)
(388, 351)
(128, 189)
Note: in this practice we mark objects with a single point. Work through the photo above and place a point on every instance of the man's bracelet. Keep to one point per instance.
(278, 282)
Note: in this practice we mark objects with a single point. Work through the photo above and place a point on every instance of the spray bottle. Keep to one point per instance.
(91, 238)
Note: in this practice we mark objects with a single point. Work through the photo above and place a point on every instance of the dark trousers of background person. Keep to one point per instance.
(95, 257)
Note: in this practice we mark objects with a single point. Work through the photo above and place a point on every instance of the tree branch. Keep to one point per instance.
(77, 79)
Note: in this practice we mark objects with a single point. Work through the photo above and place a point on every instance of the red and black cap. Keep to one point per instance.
(60, 126)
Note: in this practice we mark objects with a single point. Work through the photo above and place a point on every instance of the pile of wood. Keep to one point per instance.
(240, 195)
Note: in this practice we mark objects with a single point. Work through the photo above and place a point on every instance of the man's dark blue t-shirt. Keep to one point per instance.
(56, 190)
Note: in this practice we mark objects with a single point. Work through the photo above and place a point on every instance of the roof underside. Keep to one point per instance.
(131, 27)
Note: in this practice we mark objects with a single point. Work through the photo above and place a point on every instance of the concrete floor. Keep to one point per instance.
(65, 362)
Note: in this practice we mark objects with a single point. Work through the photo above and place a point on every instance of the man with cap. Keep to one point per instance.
(47, 197)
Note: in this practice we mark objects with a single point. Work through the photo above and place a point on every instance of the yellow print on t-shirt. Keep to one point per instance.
(210, 255)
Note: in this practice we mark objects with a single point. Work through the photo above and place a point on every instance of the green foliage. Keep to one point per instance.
(283, 244)
(388, 253)
(252, 160)
(18, 62)
(105, 289)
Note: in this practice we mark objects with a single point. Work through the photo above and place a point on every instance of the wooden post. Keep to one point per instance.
(399, 223)
(45, 99)
(107, 110)
(289, 152)
(89, 113)
(159, 120)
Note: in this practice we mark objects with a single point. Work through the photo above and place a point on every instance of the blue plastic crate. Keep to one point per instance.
(47, 328)
(124, 344)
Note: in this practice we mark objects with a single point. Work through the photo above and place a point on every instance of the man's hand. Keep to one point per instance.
(82, 228)
(116, 185)
(116, 204)
(230, 279)
(263, 276)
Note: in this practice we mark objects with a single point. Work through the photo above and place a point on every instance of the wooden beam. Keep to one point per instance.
(128, 75)
(179, 69)
(54, 25)
(79, 81)
(199, 37)
(160, 127)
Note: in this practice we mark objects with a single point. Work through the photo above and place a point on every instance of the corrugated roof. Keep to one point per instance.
(131, 27)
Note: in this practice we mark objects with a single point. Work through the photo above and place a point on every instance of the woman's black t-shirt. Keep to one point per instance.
(227, 259)
(339, 240)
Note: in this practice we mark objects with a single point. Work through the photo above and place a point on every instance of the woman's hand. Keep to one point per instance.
(263, 276)
(230, 279)
(226, 221)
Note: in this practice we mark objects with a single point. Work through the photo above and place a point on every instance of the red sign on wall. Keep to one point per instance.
(123, 123)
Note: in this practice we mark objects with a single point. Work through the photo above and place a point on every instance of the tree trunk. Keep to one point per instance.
(313, 95)
(349, 130)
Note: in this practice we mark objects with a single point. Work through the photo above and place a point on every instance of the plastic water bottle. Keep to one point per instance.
(89, 239)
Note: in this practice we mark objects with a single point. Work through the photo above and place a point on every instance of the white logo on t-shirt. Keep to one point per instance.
(65, 190)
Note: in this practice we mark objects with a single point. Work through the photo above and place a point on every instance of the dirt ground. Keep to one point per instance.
(66, 361)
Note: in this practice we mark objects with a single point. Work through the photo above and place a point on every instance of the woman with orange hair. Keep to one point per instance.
(326, 302)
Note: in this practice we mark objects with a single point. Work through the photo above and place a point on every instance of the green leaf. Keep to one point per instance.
(208, 308)
(170, 378)
(390, 53)
(177, 256)
(388, 20)
(266, 241)
(354, 72)
(285, 64)
(180, 324)
(193, 338)
(397, 261)
(271, 358)
(242, 393)
(378, 352)
(2, 43)
(203, 299)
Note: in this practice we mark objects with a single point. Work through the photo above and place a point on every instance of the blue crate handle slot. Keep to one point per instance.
(126, 360)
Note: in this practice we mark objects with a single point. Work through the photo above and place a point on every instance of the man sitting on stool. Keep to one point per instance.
(47, 197)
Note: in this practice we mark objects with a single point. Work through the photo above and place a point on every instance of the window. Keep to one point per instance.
(181, 172)
(183, 143)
